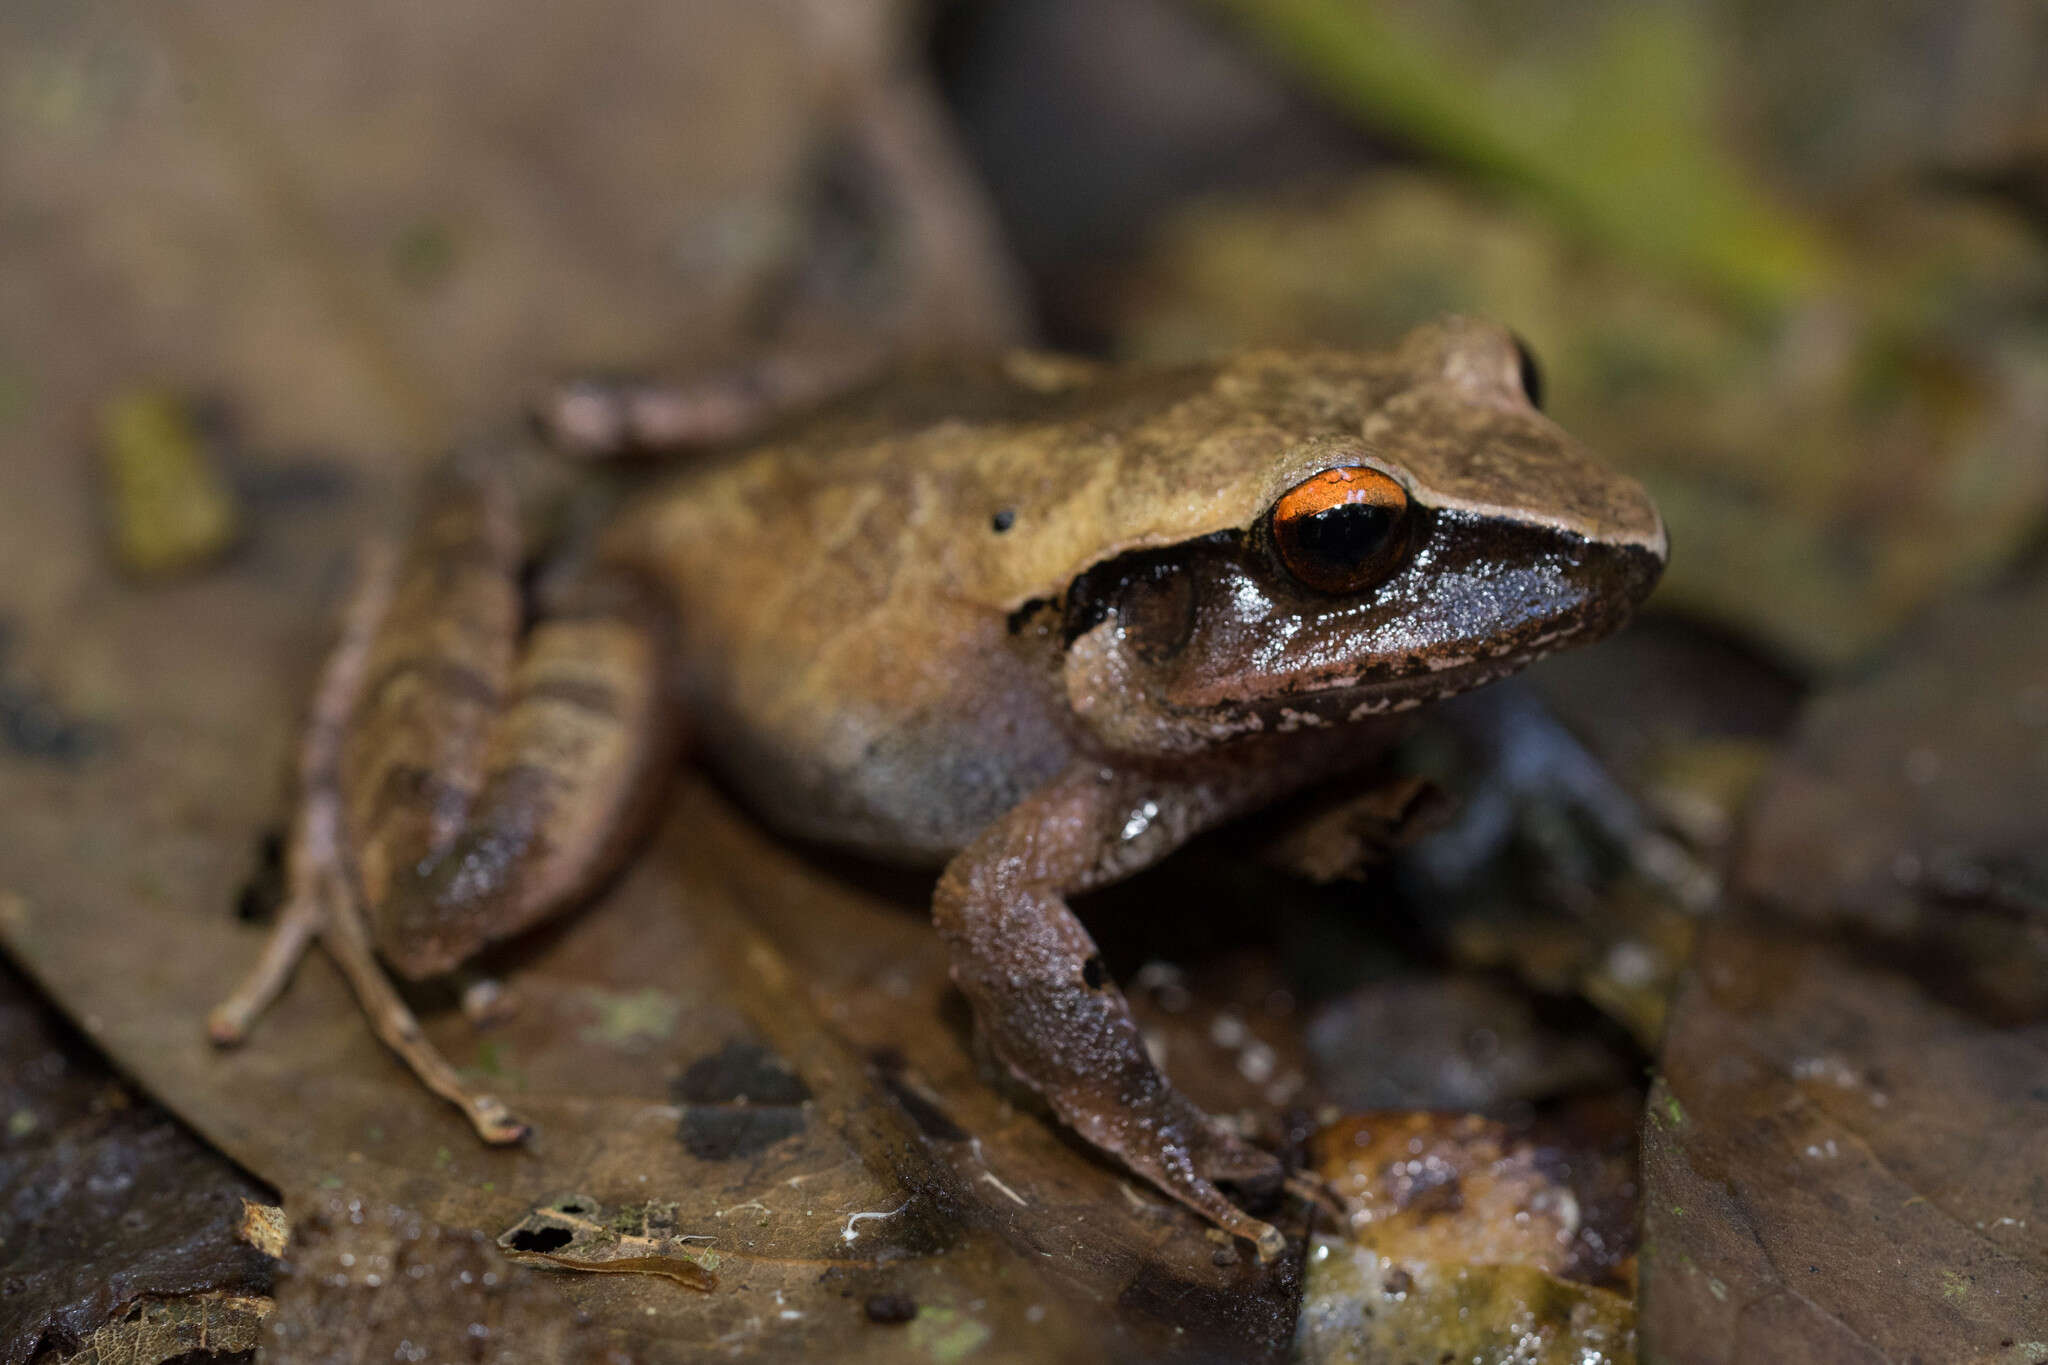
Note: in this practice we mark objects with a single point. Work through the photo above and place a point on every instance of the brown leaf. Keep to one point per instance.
(1843, 1158)
(1838, 1167)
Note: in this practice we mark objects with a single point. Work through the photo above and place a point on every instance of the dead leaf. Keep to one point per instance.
(166, 1329)
(1842, 1162)
(106, 1201)
(1839, 1167)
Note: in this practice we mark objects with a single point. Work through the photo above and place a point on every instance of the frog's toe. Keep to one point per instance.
(1226, 1156)
(1204, 1198)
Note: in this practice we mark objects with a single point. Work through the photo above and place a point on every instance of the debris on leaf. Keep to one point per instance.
(1455, 1188)
(265, 1227)
(1362, 1308)
(375, 1281)
(170, 509)
(1454, 1042)
(1460, 1239)
(578, 1233)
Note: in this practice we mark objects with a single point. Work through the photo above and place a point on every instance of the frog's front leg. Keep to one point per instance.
(458, 782)
(1043, 999)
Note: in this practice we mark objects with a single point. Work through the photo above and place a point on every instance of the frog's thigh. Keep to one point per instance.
(483, 775)
(1044, 1002)
(571, 767)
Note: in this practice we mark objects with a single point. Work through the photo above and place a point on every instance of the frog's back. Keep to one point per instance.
(844, 661)
(845, 593)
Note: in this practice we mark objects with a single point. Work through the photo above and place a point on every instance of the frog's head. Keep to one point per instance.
(1438, 534)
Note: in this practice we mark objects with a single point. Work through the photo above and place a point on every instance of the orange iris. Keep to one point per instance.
(1342, 530)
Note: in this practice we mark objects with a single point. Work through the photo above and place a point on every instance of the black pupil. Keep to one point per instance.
(1348, 534)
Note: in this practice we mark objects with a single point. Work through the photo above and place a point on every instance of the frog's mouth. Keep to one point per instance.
(1469, 609)
(1479, 598)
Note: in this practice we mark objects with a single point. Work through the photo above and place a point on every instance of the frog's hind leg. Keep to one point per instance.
(569, 776)
(321, 901)
(458, 783)
(311, 855)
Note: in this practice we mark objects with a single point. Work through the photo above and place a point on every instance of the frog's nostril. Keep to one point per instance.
(1531, 373)
(1631, 572)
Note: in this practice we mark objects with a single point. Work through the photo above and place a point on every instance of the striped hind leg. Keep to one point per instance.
(321, 903)
(459, 783)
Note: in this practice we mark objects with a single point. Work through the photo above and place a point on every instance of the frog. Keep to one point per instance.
(1033, 623)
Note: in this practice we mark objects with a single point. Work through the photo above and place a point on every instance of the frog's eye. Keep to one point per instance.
(1342, 530)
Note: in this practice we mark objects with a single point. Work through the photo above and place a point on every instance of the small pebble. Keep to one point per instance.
(891, 1309)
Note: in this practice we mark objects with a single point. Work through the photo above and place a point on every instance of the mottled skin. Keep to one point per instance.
(1033, 624)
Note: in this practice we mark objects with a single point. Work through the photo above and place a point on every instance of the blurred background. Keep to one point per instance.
(1712, 1025)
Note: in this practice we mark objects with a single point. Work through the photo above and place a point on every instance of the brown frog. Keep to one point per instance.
(1037, 625)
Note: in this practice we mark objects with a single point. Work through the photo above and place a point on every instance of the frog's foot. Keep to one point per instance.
(604, 417)
(320, 902)
(1101, 1083)
(1184, 1152)
(299, 922)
